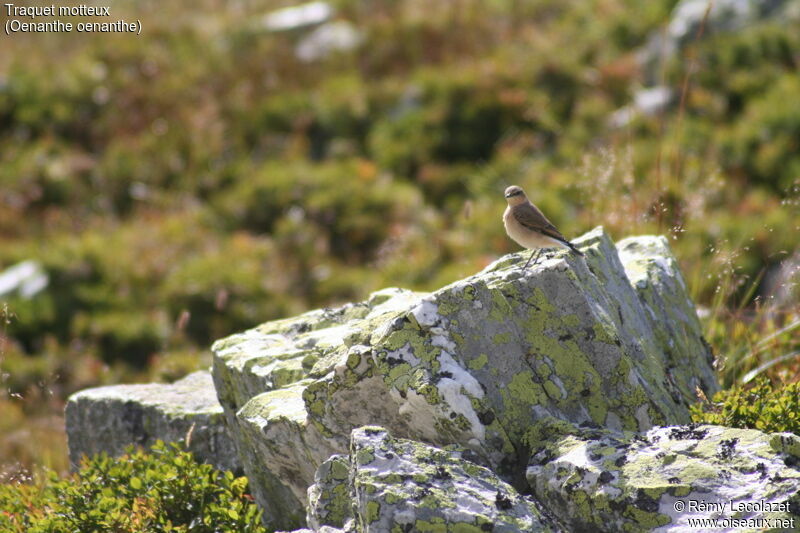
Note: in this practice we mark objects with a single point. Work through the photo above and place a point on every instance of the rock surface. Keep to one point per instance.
(292, 359)
(329, 498)
(655, 276)
(558, 380)
(660, 480)
(475, 363)
(109, 419)
(402, 485)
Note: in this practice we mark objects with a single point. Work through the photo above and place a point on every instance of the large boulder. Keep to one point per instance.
(610, 340)
(678, 478)
(109, 419)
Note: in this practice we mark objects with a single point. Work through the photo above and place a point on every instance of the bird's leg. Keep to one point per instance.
(536, 253)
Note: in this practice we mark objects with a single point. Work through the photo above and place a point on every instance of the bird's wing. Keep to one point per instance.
(530, 217)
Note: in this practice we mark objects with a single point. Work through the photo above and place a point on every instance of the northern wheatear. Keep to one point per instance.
(528, 227)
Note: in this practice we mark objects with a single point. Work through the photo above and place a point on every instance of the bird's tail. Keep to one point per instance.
(572, 247)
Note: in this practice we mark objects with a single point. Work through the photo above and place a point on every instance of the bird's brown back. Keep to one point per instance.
(530, 217)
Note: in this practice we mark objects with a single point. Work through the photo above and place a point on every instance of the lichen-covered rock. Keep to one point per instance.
(655, 276)
(667, 477)
(282, 440)
(329, 499)
(280, 353)
(399, 485)
(282, 449)
(474, 363)
(109, 419)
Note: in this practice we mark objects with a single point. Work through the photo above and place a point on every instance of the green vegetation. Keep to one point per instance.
(163, 490)
(199, 179)
(758, 407)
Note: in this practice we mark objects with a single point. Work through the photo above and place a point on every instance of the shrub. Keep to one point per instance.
(224, 289)
(162, 490)
(759, 407)
(447, 121)
(764, 143)
(121, 335)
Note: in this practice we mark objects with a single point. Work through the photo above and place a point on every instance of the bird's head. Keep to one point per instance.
(515, 195)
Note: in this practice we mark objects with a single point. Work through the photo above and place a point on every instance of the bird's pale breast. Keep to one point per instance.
(524, 237)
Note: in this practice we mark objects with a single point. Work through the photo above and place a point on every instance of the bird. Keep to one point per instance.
(528, 227)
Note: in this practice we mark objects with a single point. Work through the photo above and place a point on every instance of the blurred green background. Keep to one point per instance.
(219, 170)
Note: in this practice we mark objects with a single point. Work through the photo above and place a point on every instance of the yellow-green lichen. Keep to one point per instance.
(364, 457)
(392, 478)
(435, 525)
(463, 527)
(502, 338)
(523, 388)
(553, 391)
(391, 498)
(501, 309)
(646, 520)
(373, 511)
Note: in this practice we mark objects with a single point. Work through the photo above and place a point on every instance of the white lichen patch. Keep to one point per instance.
(460, 375)
(238, 349)
(285, 404)
(331, 337)
(426, 313)
(392, 301)
(440, 338)
(406, 354)
(452, 391)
